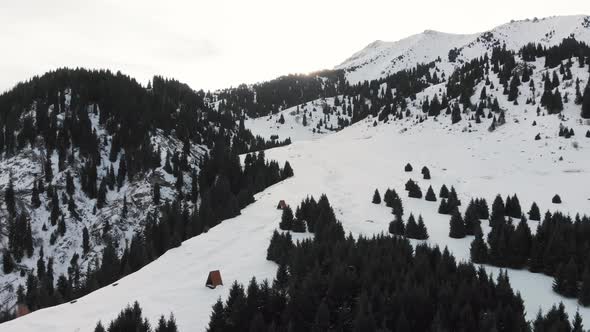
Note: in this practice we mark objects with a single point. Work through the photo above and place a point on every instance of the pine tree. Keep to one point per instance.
(556, 199)
(534, 213)
(444, 192)
(456, 114)
(412, 228)
(48, 169)
(287, 171)
(577, 325)
(479, 249)
(7, 262)
(376, 197)
(286, 223)
(408, 167)
(9, 197)
(571, 279)
(498, 211)
(298, 225)
(586, 103)
(217, 322)
(430, 196)
(35, 201)
(559, 279)
(122, 172)
(471, 219)
(422, 231)
(61, 226)
(70, 187)
(426, 173)
(156, 193)
(584, 294)
(101, 199)
(85, 241)
(457, 226)
(397, 227)
(397, 208)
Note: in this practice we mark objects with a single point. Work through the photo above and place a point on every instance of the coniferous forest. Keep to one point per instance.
(131, 115)
(558, 248)
(335, 282)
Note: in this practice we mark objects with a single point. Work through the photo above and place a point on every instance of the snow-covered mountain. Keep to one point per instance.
(516, 148)
(380, 58)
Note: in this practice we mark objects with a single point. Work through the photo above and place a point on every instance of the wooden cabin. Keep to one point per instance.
(214, 279)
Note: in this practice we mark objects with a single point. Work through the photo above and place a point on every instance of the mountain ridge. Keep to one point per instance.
(382, 58)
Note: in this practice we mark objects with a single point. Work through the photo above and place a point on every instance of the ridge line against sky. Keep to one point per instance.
(218, 44)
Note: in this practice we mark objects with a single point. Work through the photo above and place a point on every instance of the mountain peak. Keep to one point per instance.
(382, 58)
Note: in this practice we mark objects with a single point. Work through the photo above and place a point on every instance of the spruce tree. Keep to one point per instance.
(7, 262)
(426, 173)
(388, 197)
(156, 194)
(397, 208)
(397, 227)
(35, 201)
(584, 294)
(217, 321)
(376, 197)
(444, 192)
(479, 249)
(286, 223)
(559, 279)
(498, 211)
(471, 219)
(571, 279)
(534, 213)
(577, 325)
(457, 226)
(556, 199)
(101, 199)
(408, 167)
(430, 195)
(422, 231)
(287, 171)
(412, 228)
(9, 197)
(122, 172)
(586, 103)
(298, 225)
(85, 241)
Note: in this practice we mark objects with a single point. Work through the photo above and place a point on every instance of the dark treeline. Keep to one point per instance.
(360, 100)
(559, 248)
(286, 91)
(131, 319)
(338, 283)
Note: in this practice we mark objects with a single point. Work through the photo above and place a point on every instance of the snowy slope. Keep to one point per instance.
(380, 58)
(322, 117)
(348, 166)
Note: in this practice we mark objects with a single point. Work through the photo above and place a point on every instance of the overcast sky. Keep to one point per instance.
(219, 43)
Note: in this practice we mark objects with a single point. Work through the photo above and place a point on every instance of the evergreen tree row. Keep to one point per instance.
(338, 283)
(131, 319)
(558, 248)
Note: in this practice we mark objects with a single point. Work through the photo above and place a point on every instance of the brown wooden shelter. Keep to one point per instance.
(214, 279)
(281, 205)
(22, 309)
